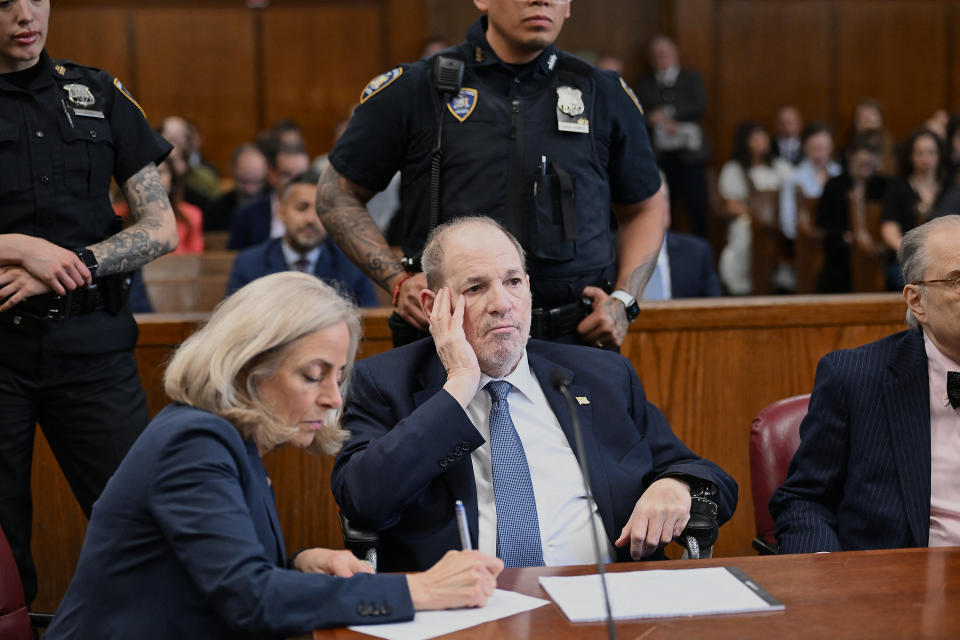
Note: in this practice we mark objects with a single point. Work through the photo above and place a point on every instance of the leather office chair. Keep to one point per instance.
(697, 538)
(774, 438)
(14, 618)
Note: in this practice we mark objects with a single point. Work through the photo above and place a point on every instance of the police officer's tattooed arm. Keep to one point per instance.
(153, 233)
(341, 205)
(58, 268)
(638, 245)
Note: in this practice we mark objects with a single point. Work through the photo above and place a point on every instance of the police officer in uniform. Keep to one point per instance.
(66, 340)
(551, 147)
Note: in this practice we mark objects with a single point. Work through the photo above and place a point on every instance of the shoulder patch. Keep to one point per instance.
(630, 93)
(380, 83)
(126, 94)
(463, 104)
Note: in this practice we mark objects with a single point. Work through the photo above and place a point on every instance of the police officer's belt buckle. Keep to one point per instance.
(49, 306)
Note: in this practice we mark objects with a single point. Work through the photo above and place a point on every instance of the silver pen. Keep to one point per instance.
(462, 526)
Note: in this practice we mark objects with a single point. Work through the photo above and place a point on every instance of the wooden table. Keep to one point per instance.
(909, 593)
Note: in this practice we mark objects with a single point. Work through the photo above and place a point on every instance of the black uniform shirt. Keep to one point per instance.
(374, 146)
(62, 136)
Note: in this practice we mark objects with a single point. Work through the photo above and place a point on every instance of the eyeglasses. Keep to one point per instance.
(954, 281)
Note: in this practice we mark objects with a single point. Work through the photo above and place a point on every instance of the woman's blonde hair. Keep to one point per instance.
(218, 368)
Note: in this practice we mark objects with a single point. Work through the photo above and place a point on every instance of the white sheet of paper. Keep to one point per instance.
(655, 594)
(430, 624)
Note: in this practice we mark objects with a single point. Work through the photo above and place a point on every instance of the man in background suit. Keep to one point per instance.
(675, 99)
(879, 459)
(248, 168)
(304, 246)
(470, 414)
(684, 266)
(258, 220)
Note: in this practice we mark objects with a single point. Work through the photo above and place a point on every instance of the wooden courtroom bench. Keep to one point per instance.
(709, 364)
(188, 282)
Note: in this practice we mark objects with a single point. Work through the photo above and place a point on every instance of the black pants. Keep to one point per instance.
(91, 409)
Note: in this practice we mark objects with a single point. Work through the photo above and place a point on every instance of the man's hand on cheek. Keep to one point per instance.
(456, 354)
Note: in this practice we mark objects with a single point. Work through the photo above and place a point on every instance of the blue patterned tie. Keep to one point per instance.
(518, 529)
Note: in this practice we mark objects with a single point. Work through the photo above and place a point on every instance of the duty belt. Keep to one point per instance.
(51, 306)
(550, 324)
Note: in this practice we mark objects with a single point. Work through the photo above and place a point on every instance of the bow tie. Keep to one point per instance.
(953, 388)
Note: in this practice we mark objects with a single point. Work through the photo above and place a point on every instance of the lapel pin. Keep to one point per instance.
(582, 400)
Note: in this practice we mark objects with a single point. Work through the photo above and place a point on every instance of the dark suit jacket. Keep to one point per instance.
(688, 96)
(861, 477)
(691, 267)
(251, 224)
(184, 542)
(408, 457)
(333, 267)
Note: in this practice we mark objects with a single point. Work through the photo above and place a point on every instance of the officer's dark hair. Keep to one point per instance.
(432, 258)
(741, 148)
(906, 153)
(242, 149)
(813, 128)
(309, 176)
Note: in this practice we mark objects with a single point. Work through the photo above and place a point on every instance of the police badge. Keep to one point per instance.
(570, 110)
(79, 95)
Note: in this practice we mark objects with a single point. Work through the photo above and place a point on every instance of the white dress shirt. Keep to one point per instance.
(554, 472)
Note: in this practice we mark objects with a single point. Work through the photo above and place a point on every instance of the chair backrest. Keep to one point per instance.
(774, 438)
(14, 618)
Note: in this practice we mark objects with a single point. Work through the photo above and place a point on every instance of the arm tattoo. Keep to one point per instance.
(638, 278)
(149, 237)
(341, 206)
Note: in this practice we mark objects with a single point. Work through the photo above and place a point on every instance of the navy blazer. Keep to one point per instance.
(184, 542)
(861, 477)
(691, 267)
(408, 456)
(333, 267)
(251, 223)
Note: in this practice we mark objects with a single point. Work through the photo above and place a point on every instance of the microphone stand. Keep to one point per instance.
(560, 382)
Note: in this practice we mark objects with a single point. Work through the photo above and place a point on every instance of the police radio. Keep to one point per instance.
(447, 78)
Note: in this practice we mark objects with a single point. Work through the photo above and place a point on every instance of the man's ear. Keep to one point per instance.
(427, 299)
(911, 294)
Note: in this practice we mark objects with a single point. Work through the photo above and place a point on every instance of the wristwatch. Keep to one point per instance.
(88, 259)
(629, 303)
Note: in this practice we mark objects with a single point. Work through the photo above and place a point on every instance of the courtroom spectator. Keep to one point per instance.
(248, 168)
(675, 99)
(286, 132)
(879, 460)
(860, 180)
(195, 157)
(201, 185)
(184, 542)
(189, 218)
(938, 122)
(816, 167)
(258, 221)
(787, 130)
(432, 45)
(684, 265)
(920, 193)
(752, 167)
(610, 62)
(471, 413)
(953, 149)
(868, 120)
(304, 247)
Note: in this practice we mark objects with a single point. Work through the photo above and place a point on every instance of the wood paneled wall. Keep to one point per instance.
(234, 70)
(709, 365)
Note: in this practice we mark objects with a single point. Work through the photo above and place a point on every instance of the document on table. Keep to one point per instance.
(659, 594)
(430, 624)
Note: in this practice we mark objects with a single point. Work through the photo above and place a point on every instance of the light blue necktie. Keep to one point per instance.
(518, 529)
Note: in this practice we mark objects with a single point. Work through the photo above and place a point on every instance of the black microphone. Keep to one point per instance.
(560, 382)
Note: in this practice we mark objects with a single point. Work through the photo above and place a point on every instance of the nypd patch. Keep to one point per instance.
(630, 93)
(463, 104)
(126, 94)
(380, 83)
